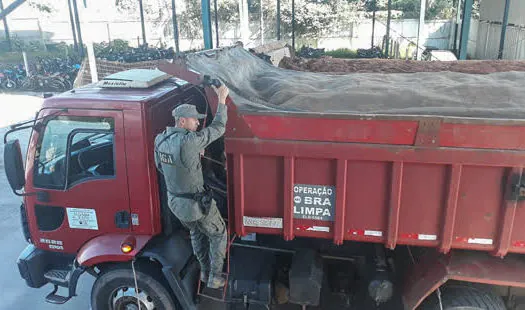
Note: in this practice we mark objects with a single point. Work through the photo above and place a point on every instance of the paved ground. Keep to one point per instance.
(15, 294)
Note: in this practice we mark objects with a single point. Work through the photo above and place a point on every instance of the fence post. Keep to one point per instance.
(420, 29)
(465, 29)
(262, 22)
(504, 25)
(26, 63)
(383, 46)
(394, 46)
(394, 51)
(109, 32)
(216, 17)
(518, 43)
(79, 30)
(142, 23)
(244, 21)
(389, 19)
(41, 34)
(278, 19)
(92, 62)
(373, 26)
(176, 26)
(72, 21)
(486, 41)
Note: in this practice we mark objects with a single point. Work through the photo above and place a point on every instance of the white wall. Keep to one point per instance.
(436, 33)
(489, 34)
(492, 10)
(489, 41)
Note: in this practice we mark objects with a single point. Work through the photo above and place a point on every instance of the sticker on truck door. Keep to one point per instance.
(314, 202)
(82, 218)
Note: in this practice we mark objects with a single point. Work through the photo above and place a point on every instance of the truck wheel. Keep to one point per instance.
(464, 296)
(115, 290)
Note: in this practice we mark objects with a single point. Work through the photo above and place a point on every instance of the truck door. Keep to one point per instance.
(76, 166)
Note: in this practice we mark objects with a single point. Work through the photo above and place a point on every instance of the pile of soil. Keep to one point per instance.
(338, 66)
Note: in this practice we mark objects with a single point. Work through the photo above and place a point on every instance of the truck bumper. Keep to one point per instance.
(32, 264)
(39, 267)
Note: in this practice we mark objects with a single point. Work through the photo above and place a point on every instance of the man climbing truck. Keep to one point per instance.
(177, 157)
(349, 209)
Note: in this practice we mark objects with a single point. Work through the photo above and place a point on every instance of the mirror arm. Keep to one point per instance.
(13, 130)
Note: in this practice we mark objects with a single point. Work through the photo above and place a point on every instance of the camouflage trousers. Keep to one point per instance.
(209, 240)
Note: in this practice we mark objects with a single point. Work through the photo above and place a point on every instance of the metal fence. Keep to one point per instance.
(358, 34)
(489, 35)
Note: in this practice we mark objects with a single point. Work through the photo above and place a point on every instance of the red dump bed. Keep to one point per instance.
(446, 183)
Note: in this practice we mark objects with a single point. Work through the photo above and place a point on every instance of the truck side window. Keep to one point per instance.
(91, 151)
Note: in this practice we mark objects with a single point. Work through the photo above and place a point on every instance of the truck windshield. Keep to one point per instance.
(91, 152)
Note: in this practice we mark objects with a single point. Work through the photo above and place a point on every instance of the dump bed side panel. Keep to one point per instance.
(450, 193)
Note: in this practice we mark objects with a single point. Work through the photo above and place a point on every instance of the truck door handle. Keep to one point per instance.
(122, 219)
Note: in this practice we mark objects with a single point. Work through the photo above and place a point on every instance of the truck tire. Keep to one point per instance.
(463, 296)
(115, 290)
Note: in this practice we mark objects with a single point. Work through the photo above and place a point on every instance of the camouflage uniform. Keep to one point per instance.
(177, 155)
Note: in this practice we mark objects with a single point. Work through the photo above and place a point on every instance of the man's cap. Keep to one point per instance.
(186, 110)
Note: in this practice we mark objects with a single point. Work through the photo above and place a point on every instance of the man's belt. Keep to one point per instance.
(195, 196)
(204, 198)
(186, 195)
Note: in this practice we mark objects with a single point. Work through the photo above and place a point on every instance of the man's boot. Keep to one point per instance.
(216, 281)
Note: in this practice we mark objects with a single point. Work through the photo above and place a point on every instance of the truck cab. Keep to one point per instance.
(92, 194)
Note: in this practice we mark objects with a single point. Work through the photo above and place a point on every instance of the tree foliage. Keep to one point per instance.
(436, 9)
(43, 6)
(312, 17)
(188, 15)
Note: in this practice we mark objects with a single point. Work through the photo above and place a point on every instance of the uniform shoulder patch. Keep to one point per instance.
(166, 158)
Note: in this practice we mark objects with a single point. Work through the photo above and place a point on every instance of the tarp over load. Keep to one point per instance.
(258, 86)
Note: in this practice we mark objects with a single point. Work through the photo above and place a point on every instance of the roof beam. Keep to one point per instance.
(465, 29)
(504, 29)
(11, 8)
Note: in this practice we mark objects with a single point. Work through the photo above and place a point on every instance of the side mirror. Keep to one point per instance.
(14, 165)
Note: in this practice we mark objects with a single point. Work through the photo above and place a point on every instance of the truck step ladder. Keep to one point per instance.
(58, 277)
(213, 294)
(67, 278)
(53, 298)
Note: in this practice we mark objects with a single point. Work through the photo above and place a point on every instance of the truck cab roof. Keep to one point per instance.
(94, 96)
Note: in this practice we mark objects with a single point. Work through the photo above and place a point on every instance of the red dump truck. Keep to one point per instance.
(324, 210)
